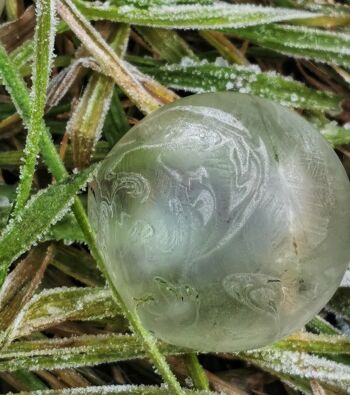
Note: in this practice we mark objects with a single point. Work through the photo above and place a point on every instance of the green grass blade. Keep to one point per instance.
(152, 3)
(15, 85)
(114, 390)
(23, 55)
(206, 77)
(335, 134)
(86, 350)
(301, 42)
(31, 223)
(18, 90)
(66, 230)
(43, 50)
(219, 15)
(302, 366)
(334, 14)
(196, 371)
(319, 325)
(10, 159)
(340, 303)
(317, 344)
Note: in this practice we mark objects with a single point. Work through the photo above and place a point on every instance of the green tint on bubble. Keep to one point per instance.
(223, 220)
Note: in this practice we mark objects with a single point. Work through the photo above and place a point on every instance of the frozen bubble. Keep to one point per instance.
(223, 220)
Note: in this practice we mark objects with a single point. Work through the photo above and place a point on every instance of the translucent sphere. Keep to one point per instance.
(223, 220)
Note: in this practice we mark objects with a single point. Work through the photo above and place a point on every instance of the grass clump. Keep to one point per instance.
(75, 76)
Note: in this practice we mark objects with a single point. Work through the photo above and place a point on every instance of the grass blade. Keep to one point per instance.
(150, 3)
(24, 381)
(303, 366)
(167, 43)
(219, 15)
(10, 159)
(43, 49)
(301, 42)
(19, 288)
(208, 77)
(83, 350)
(224, 46)
(196, 371)
(90, 350)
(116, 124)
(15, 85)
(66, 230)
(334, 14)
(19, 29)
(57, 305)
(319, 325)
(86, 123)
(335, 134)
(63, 81)
(340, 303)
(114, 390)
(86, 273)
(318, 344)
(31, 223)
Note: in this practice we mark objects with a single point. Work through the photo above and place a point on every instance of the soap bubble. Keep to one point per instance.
(223, 220)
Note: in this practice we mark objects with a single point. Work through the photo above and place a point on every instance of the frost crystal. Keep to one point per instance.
(221, 62)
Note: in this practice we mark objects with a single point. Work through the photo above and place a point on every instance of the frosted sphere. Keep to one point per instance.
(223, 220)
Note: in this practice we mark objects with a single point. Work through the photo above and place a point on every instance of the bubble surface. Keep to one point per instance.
(223, 220)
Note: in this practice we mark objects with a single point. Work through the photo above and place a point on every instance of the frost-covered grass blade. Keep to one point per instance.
(209, 77)
(44, 209)
(301, 42)
(303, 365)
(218, 15)
(43, 50)
(115, 390)
(80, 351)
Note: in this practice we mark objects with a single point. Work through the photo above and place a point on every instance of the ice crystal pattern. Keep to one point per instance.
(223, 220)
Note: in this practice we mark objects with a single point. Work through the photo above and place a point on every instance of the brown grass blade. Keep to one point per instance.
(110, 63)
